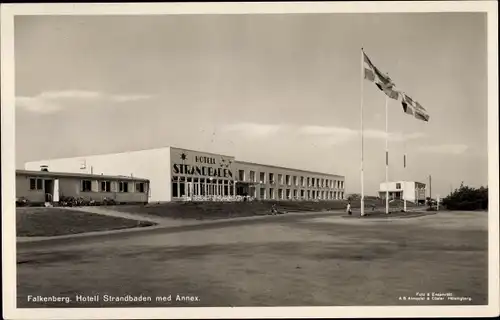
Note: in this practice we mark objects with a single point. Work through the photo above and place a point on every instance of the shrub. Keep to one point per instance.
(467, 198)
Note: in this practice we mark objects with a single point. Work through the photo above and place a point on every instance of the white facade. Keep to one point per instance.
(404, 190)
(153, 164)
(176, 173)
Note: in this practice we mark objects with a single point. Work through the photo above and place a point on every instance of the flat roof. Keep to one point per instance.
(289, 169)
(76, 175)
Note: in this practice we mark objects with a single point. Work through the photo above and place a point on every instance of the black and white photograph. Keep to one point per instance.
(210, 160)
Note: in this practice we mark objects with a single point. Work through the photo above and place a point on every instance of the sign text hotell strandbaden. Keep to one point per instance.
(200, 168)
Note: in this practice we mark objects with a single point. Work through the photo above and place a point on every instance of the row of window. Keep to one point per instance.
(105, 186)
(86, 185)
(302, 194)
(185, 188)
(291, 180)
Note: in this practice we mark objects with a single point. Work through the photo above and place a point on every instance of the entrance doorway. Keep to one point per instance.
(49, 190)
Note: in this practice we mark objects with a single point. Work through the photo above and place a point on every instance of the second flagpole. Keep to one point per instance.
(386, 155)
(405, 176)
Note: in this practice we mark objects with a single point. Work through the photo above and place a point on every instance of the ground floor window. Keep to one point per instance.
(123, 186)
(86, 186)
(36, 184)
(189, 186)
(271, 193)
(105, 186)
(139, 187)
(262, 193)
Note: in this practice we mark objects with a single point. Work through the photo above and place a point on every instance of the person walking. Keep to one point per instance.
(348, 209)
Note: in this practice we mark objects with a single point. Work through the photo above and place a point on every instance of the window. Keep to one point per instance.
(308, 181)
(287, 179)
(139, 187)
(302, 193)
(271, 193)
(252, 176)
(241, 175)
(271, 178)
(295, 193)
(280, 178)
(288, 194)
(175, 192)
(86, 185)
(123, 186)
(105, 186)
(262, 177)
(295, 181)
(280, 193)
(398, 186)
(302, 181)
(36, 184)
(262, 193)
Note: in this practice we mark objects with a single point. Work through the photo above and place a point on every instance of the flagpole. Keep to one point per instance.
(386, 156)
(405, 175)
(362, 137)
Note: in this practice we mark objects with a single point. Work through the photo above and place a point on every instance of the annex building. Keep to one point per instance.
(404, 190)
(42, 186)
(177, 174)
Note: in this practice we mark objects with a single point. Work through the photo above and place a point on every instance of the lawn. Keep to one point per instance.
(46, 222)
(288, 260)
(223, 210)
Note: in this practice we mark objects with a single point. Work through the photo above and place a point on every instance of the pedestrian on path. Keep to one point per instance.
(348, 209)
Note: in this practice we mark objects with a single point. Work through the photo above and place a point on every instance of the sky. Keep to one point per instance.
(278, 89)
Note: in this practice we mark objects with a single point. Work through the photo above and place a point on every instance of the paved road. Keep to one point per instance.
(285, 260)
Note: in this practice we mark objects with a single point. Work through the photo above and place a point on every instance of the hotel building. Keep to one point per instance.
(177, 174)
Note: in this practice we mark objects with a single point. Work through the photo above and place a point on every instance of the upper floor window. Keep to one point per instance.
(252, 176)
(271, 178)
(241, 175)
(262, 177)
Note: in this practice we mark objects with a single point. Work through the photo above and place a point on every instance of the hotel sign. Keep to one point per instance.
(201, 165)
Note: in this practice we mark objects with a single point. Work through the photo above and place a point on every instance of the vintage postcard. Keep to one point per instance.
(250, 160)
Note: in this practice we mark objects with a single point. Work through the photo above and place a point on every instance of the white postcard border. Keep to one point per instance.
(8, 11)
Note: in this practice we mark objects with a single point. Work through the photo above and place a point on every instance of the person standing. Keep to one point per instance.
(348, 209)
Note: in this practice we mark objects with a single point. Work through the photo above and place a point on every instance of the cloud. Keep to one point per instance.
(445, 149)
(347, 133)
(52, 101)
(253, 129)
(324, 134)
